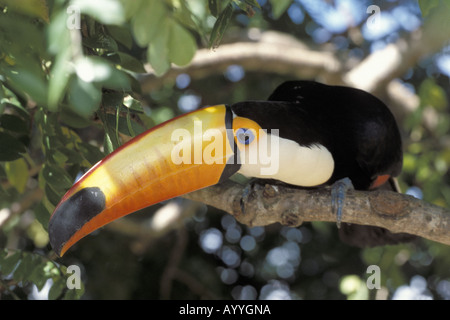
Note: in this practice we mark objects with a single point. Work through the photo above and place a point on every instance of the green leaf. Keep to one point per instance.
(13, 102)
(23, 41)
(130, 125)
(108, 144)
(147, 21)
(57, 289)
(157, 52)
(112, 100)
(84, 97)
(74, 294)
(13, 123)
(91, 153)
(2, 174)
(3, 254)
(279, 7)
(64, 155)
(437, 22)
(132, 103)
(129, 62)
(25, 268)
(11, 148)
(2, 104)
(131, 8)
(117, 81)
(73, 119)
(52, 195)
(214, 7)
(426, 5)
(101, 41)
(105, 11)
(56, 177)
(184, 15)
(431, 94)
(33, 8)
(28, 267)
(122, 35)
(124, 126)
(58, 35)
(59, 79)
(9, 263)
(17, 174)
(220, 26)
(182, 45)
(42, 214)
(28, 82)
(46, 122)
(38, 276)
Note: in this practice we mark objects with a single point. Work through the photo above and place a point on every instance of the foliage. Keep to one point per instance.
(70, 94)
(20, 267)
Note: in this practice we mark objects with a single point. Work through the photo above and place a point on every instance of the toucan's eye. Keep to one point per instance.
(245, 136)
(246, 131)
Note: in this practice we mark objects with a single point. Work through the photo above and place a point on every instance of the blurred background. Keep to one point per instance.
(56, 121)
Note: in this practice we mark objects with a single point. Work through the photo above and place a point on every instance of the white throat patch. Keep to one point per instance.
(296, 165)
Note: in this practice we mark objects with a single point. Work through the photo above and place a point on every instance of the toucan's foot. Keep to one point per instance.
(245, 193)
(338, 191)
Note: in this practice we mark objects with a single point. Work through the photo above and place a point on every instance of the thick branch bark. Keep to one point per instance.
(265, 205)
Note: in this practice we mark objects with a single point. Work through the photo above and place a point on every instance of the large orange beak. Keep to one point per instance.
(177, 157)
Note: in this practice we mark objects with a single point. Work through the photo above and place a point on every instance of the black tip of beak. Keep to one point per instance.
(72, 214)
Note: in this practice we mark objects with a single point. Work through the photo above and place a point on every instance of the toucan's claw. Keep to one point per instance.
(245, 193)
(252, 186)
(338, 191)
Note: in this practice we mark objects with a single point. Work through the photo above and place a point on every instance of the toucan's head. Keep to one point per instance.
(190, 152)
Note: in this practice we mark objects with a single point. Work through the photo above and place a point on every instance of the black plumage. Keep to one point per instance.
(356, 127)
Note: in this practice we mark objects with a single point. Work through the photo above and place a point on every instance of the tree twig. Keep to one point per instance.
(269, 204)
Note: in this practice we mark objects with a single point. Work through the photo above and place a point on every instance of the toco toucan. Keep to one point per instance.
(307, 134)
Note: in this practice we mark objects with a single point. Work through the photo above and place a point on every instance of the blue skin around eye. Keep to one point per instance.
(244, 135)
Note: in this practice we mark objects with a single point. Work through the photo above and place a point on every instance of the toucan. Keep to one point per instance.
(306, 134)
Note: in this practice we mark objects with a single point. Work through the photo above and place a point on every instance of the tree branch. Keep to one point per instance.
(272, 52)
(268, 204)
